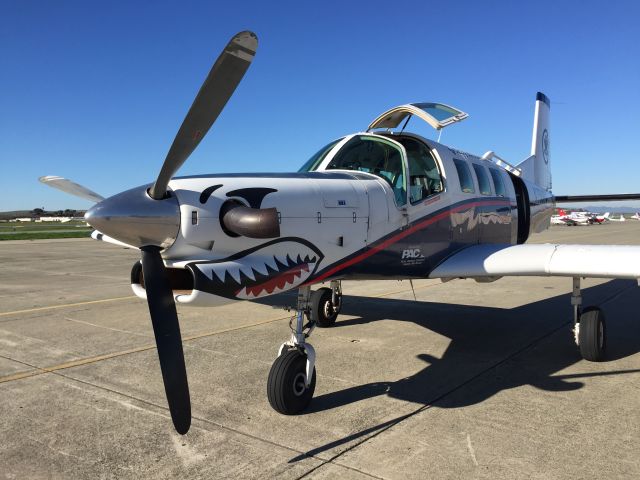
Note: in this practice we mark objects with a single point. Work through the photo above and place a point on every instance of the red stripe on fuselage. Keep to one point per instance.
(414, 228)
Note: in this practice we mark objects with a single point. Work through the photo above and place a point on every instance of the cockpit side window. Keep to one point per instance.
(377, 156)
(314, 162)
(424, 175)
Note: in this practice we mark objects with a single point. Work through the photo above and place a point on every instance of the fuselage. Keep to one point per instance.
(371, 206)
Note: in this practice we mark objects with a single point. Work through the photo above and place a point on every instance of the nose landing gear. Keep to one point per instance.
(292, 378)
(287, 387)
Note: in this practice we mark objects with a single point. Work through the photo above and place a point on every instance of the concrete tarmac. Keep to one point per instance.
(467, 381)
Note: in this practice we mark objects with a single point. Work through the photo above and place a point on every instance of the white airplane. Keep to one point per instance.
(619, 219)
(569, 219)
(635, 216)
(578, 218)
(583, 217)
(377, 204)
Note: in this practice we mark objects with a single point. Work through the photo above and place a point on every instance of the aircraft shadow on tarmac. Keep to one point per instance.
(484, 349)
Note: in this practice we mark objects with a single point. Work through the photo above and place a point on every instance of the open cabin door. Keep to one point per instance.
(438, 115)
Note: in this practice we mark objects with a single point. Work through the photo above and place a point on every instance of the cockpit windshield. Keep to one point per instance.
(314, 162)
(375, 155)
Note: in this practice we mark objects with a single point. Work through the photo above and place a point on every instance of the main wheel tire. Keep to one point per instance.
(323, 311)
(286, 388)
(592, 334)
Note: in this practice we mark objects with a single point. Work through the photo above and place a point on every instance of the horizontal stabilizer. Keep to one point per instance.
(501, 260)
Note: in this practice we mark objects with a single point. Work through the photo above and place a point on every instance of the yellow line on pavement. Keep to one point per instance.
(66, 305)
(73, 363)
(107, 356)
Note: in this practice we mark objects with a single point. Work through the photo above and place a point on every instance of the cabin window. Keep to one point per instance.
(424, 175)
(464, 175)
(314, 162)
(483, 179)
(497, 182)
(374, 155)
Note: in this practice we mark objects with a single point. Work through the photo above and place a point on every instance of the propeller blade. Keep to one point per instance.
(224, 77)
(73, 188)
(167, 332)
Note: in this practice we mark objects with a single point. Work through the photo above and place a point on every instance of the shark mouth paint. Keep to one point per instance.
(269, 269)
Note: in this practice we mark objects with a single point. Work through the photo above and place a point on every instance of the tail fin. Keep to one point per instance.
(606, 215)
(537, 168)
(561, 212)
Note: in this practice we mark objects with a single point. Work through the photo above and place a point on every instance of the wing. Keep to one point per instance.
(497, 260)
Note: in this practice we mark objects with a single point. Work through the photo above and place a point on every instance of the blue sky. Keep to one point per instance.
(95, 91)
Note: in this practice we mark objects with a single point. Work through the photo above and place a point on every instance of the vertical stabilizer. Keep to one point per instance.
(537, 168)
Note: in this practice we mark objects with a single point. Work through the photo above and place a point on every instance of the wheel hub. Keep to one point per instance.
(299, 385)
(601, 335)
(328, 309)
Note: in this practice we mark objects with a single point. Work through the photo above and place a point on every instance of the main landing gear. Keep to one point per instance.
(589, 327)
(326, 304)
(292, 378)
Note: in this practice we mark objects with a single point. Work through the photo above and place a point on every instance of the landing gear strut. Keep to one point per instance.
(589, 327)
(292, 378)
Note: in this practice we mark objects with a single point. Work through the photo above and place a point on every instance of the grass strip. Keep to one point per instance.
(44, 235)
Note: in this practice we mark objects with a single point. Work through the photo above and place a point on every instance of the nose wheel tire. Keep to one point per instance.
(286, 387)
(592, 334)
(323, 311)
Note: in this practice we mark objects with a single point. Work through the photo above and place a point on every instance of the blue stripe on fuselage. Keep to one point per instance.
(416, 249)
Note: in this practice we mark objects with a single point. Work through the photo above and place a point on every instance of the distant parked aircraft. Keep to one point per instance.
(601, 218)
(578, 218)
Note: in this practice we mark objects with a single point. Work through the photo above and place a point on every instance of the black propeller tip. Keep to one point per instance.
(166, 329)
(182, 424)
